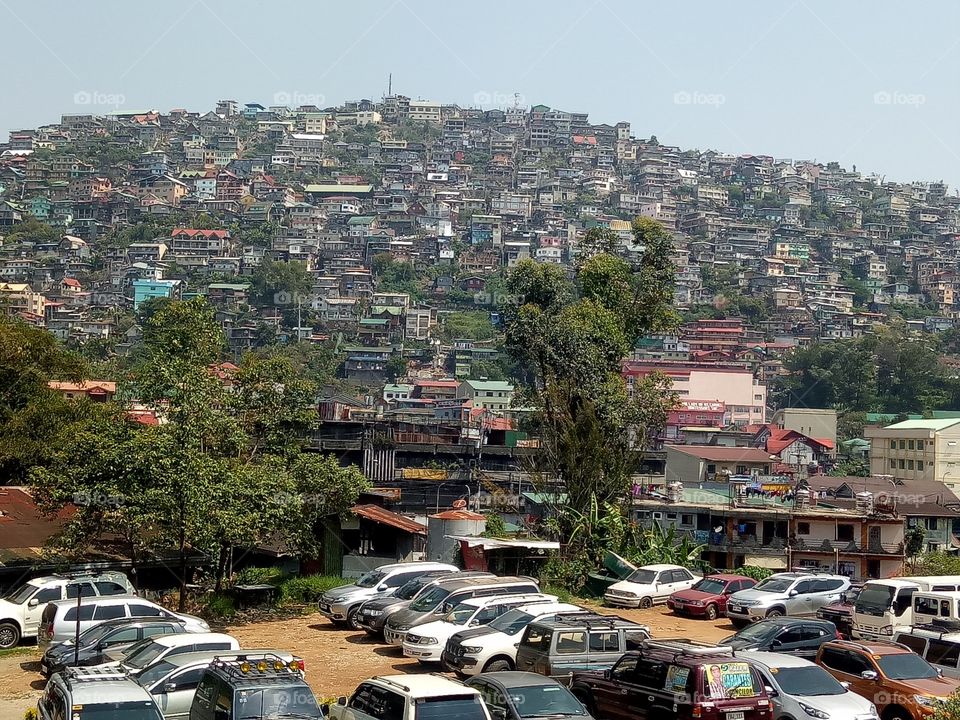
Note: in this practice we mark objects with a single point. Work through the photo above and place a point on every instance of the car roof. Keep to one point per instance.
(426, 565)
(518, 598)
(208, 655)
(661, 566)
(774, 660)
(98, 599)
(587, 616)
(424, 685)
(786, 620)
(468, 582)
(125, 690)
(515, 678)
(727, 576)
(875, 647)
(138, 620)
(190, 638)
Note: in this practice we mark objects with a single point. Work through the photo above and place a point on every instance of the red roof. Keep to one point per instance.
(584, 140)
(716, 453)
(383, 516)
(191, 232)
(23, 528)
(71, 282)
(458, 515)
(781, 438)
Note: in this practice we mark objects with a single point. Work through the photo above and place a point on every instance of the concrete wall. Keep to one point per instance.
(816, 423)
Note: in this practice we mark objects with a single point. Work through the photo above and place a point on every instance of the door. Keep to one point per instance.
(803, 602)
(847, 666)
(121, 636)
(811, 638)
(788, 640)
(827, 591)
(175, 694)
(31, 617)
(609, 695)
(604, 648)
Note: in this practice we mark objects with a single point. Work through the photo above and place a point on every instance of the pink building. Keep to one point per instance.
(695, 413)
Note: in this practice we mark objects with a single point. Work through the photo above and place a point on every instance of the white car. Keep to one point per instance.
(650, 585)
(147, 652)
(426, 642)
(423, 696)
(493, 647)
(802, 689)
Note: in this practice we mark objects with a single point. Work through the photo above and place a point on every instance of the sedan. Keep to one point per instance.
(708, 598)
(526, 696)
(800, 637)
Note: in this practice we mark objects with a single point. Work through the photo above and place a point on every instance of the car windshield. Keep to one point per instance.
(450, 708)
(511, 622)
(807, 680)
(461, 614)
(21, 594)
(710, 585)
(643, 577)
(851, 594)
(408, 590)
(875, 597)
(774, 585)
(159, 671)
(544, 700)
(754, 633)
(429, 600)
(95, 634)
(905, 666)
(144, 655)
(280, 702)
(371, 578)
(137, 710)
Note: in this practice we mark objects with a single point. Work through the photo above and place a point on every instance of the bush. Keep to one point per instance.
(563, 595)
(260, 575)
(220, 607)
(753, 571)
(30, 714)
(308, 588)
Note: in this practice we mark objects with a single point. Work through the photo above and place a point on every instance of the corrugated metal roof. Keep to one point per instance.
(386, 517)
(458, 515)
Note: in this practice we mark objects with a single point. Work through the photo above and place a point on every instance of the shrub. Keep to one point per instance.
(753, 571)
(308, 588)
(30, 714)
(220, 607)
(260, 575)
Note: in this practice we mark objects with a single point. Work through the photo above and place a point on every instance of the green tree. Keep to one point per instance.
(280, 283)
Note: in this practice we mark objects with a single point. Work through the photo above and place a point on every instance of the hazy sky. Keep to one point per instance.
(873, 84)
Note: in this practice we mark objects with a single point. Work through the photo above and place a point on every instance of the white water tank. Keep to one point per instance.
(803, 499)
(864, 502)
(675, 491)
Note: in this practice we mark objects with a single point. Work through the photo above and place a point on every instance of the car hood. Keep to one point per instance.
(387, 603)
(939, 686)
(344, 591)
(474, 632)
(695, 595)
(754, 595)
(839, 607)
(437, 628)
(626, 585)
(6, 606)
(845, 705)
(739, 643)
(406, 617)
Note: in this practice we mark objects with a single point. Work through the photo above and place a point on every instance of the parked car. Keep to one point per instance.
(670, 678)
(233, 689)
(938, 646)
(373, 614)
(902, 684)
(409, 697)
(340, 604)
(173, 681)
(557, 646)
(804, 689)
(446, 595)
(649, 585)
(108, 635)
(788, 593)
(526, 696)
(708, 598)
(840, 613)
(145, 653)
(797, 636)
(22, 608)
(59, 620)
(74, 693)
(425, 642)
(493, 647)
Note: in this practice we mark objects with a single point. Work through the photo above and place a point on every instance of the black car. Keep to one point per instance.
(525, 696)
(253, 690)
(105, 636)
(795, 636)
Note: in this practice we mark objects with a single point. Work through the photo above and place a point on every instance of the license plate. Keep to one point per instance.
(324, 606)
(735, 608)
(735, 716)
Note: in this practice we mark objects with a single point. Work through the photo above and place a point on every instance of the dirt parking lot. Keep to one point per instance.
(336, 660)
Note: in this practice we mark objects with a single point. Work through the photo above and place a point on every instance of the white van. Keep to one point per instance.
(883, 606)
(939, 647)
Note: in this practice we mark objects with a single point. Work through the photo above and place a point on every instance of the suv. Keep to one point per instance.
(788, 593)
(136, 658)
(796, 636)
(340, 604)
(708, 598)
(493, 647)
(410, 697)
(903, 685)
(373, 614)
(77, 692)
(938, 645)
(109, 635)
(234, 689)
(675, 678)
(60, 619)
(804, 689)
(557, 646)
(21, 609)
(446, 595)
(649, 585)
(840, 613)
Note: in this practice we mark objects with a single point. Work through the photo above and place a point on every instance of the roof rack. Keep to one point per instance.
(682, 646)
(388, 681)
(241, 664)
(90, 674)
(590, 619)
(939, 630)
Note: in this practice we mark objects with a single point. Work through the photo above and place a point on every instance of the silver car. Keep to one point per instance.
(789, 593)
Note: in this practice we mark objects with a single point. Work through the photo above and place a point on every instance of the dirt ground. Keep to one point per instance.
(336, 660)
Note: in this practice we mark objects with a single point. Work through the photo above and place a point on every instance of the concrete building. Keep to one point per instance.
(707, 463)
(492, 395)
(812, 422)
(917, 450)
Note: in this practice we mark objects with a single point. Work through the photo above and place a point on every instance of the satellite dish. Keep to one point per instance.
(459, 504)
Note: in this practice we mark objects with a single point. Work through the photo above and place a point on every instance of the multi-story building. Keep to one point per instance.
(917, 450)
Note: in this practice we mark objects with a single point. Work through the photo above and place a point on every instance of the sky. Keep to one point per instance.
(871, 84)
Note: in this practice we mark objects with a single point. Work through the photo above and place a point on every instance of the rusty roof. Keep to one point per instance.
(381, 515)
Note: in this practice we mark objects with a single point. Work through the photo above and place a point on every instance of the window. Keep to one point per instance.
(844, 661)
(941, 652)
(122, 636)
(680, 576)
(910, 445)
(893, 464)
(909, 464)
(827, 585)
(803, 528)
(920, 465)
(188, 679)
(920, 445)
(686, 519)
(651, 673)
(86, 613)
(109, 612)
(571, 642)
(790, 635)
(605, 642)
(626, 670)
(900, 464)
(845, 532)
(86, 590)
(153, 630)
(145, 611)
(105, 587)
(903, 444)
(917, 644)
(48, 595)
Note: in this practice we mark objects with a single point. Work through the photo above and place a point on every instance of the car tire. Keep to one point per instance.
(711, 612)
(775, 612)
(352, 618)
(645, 603)
(587, 702)
(896, 713)
(498, 665)
(9, 635)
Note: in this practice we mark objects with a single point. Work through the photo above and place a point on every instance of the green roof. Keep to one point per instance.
(373, 321)
(228, 286)
(389, 309)
(361, 220)
(930, 424)
(539, 498)
(493, 385)
(339, 189)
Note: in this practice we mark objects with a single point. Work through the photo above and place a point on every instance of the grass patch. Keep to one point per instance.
(307, 588)
(14, 652)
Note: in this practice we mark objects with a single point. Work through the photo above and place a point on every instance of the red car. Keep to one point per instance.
(708, 598)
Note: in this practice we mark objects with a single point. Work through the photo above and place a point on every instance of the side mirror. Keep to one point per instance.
(939, 672)
(770, 691)
(342, 700)
(474, 623)
(33, 602)
(170, 687)
(793, 593)
(869, 675)
(607, 674)
(774, 644)
(381, 588)
(498, 713)
(844, 684)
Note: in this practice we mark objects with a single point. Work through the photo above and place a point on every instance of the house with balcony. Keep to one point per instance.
(709, 463)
